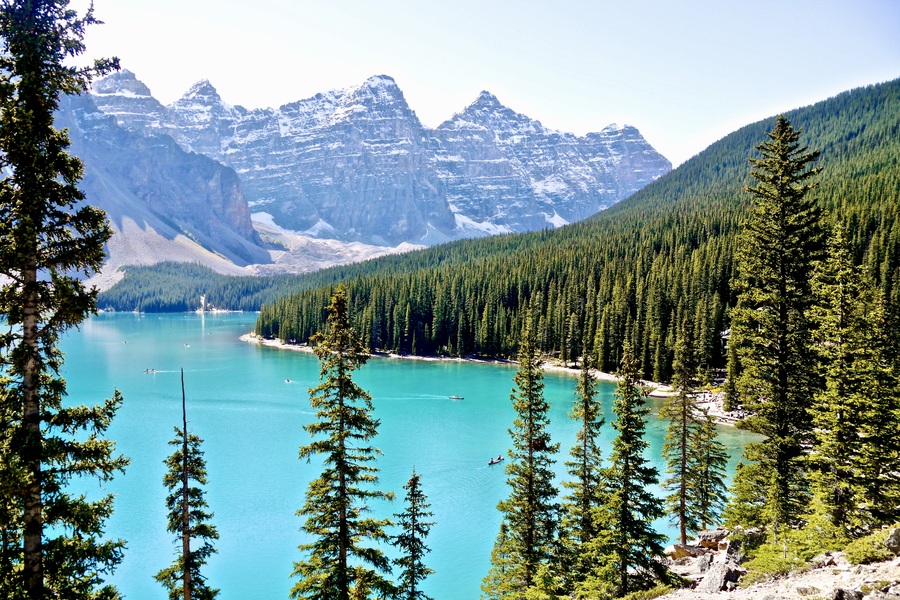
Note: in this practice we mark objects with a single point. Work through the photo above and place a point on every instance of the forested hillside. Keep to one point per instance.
(633, 271)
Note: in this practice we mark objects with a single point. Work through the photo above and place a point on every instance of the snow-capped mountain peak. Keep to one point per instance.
(359, 161)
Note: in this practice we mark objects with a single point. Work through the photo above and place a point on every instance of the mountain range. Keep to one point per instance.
(357, 164)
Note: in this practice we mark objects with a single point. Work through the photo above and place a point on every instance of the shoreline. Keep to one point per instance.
(711, 401)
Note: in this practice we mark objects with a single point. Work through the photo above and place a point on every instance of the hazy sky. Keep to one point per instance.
(684, 72)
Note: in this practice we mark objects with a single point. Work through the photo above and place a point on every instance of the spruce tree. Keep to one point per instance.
(770, 328)
(745, 507)
(414, 526)
(498, 583)
(627, 552)
(188, 516)
(707, 488)
(530, 511)
(586, 482)
(338, 561)
(53, 540)
(681, 411)
(855, 415)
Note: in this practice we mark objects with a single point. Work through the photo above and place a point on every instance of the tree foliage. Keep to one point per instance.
(530, 511)
(586, 482)
(188, 515)
(770, 325)
(856, 413)
(681, 433)
(53, 540)
(338, 563)
(627, 552)
(414, 525)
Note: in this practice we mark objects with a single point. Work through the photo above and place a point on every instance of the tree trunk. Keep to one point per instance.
(185, 499)
(31, 451)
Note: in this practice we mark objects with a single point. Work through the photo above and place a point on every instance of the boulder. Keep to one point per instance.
(843, 594)
(677, 551)
(719, 575)
(705, 562)
(822, 560)
(735, 552)
(710, 538)
(892, 542)
(879, 595)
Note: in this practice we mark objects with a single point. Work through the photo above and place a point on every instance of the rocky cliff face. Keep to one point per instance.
(163, 203)
(357, 164)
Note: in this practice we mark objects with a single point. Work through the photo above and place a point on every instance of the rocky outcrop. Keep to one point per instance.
(892, 542)
(357, 164)
(168, 203)
(504, 169)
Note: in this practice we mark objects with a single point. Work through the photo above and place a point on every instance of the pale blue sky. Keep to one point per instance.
(684, 72)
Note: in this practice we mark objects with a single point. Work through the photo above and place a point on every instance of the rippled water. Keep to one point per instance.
(251, 418)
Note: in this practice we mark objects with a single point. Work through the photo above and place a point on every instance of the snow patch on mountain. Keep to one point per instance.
(357, 164)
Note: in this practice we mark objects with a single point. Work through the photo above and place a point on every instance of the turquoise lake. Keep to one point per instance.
(251, 419)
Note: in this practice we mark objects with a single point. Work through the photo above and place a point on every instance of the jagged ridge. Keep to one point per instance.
(357, 164)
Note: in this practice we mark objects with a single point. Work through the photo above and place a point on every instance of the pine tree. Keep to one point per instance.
(854, 452)
(771, 331)
(577, 528)
(529, 512)
(499, 583)
(188, 516)
(414, 526)
(707, 490)
(337, 560)
(681, 411)
(627, 551)
(879, 460)
(745, 507)
(52, 539)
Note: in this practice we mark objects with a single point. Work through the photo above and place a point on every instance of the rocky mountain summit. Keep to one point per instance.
(357, 164)
(163, 203)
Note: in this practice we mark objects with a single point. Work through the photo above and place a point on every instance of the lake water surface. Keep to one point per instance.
(251, 418)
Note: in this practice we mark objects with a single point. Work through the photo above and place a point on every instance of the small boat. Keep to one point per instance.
(456, 397)
(287, 380)
(494, 461)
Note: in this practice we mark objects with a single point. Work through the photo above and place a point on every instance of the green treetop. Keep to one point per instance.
(410, 542)
(856, 414)
(52, 539)
(530, 511)
(586, 472)
(771, 331)
(707, 487)
(188, 515)
(337, 560)
(627, 552)
(681, 411)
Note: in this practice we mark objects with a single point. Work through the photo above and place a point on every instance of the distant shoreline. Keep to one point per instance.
(711, 401)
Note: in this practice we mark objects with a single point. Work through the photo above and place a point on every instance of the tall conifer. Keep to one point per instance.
(854, 452)
(681, 411)
(414, 525)
(627, 552)
(337, 560)
(707, 489)
(771, 332)
(188, 516)
(53, 544)
(586, 482)
(530, 511)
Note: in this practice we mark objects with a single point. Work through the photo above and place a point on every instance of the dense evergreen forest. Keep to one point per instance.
(631, 273)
